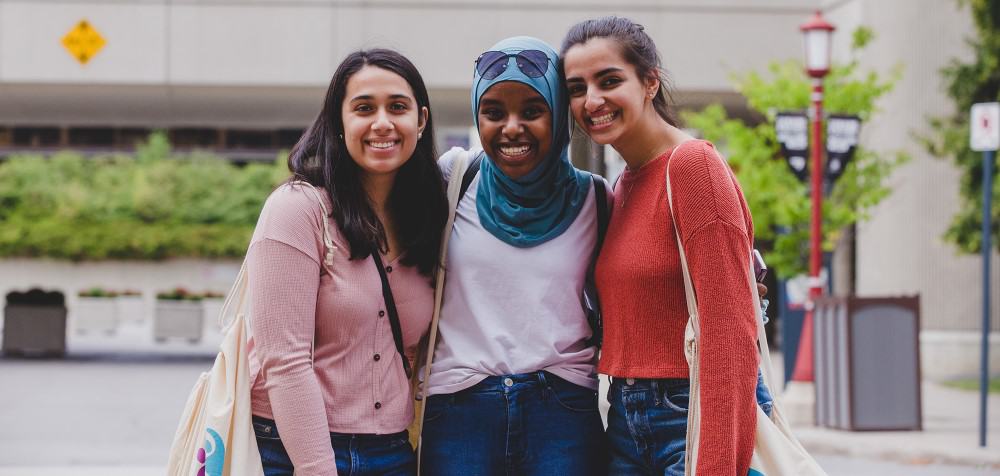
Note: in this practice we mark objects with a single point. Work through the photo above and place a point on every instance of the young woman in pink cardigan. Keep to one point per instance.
(337, 314)
(617, 95)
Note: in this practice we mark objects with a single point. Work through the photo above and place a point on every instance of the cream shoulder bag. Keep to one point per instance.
(215, 436)
(776, 451)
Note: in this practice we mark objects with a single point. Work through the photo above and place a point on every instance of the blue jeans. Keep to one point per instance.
(647, 424)
(525, 424)
(356, 455)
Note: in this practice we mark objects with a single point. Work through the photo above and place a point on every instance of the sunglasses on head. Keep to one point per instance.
(533, 63)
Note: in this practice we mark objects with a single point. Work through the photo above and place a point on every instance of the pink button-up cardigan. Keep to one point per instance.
(354, 381)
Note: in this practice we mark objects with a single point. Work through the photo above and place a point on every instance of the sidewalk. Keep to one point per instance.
(950, 434)
(134, 388)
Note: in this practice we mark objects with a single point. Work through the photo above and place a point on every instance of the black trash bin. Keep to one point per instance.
(34, 324)
(867, 362)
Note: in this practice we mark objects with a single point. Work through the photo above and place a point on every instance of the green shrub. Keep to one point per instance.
(156, 205)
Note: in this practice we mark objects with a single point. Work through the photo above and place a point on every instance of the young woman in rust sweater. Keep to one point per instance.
(617, 95)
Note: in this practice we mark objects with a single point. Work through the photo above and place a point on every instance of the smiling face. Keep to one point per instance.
(382, 120)
(515, 127)
(606, 95)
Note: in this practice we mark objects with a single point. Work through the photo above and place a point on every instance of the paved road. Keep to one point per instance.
(114, 414)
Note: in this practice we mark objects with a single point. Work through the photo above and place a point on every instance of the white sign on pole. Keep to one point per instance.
(984, 126)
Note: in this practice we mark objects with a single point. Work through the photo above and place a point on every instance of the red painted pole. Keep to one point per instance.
(804, 360)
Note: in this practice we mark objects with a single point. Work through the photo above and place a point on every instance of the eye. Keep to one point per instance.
(576, 90)
(363, 108)
(610, 81)
(399, 107)
(534, 112)
(492, 114)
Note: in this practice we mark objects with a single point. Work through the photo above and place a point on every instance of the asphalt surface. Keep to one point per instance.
(114, 413)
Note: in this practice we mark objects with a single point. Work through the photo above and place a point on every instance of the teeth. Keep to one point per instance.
(381, 145)
(601, 120)
(515, 151)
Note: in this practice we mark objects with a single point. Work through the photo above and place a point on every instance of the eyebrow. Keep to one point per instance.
(369, 97)
(600, 73)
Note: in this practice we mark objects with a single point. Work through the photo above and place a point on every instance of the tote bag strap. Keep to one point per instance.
(454, 192)
(694, 400)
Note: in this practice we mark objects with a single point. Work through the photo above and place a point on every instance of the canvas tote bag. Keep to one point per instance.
(215, 436)
(776, 451)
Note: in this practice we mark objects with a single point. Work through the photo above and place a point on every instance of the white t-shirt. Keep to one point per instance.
(510, 310)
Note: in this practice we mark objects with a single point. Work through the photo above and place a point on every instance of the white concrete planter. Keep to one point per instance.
(131, 309)
(178, 319)
(95, 314)
(212, 307)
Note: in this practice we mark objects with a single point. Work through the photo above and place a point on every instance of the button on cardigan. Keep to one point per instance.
(354, 380)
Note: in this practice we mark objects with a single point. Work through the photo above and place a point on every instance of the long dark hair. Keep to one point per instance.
(417, 203)
(637, 48)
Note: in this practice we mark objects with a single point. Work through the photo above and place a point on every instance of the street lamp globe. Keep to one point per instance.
(817, 33)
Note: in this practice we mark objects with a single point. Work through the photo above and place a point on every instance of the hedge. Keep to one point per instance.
(150, 206)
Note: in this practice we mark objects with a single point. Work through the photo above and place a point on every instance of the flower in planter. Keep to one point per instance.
(178, 294)
(212, 295)
(130, 293)
(97, 292)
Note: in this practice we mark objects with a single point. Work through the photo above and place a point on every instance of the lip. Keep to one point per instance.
(602, 121)
(382, 144)
(515, 151)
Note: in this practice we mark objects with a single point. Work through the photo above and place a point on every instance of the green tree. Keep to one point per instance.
(779, 202)
(968, 83)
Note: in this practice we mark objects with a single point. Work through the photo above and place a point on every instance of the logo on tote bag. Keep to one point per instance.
(212, 455)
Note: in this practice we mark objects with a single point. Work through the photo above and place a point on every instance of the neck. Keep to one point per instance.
(378, 188)
(649, 139)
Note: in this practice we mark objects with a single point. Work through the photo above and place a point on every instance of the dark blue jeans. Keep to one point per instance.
(647, 424)
(356, 455)
(525, 424)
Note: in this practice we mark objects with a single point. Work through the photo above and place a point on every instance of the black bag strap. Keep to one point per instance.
(603, 212)
(390, 304)
(591, 300)
(470, 173)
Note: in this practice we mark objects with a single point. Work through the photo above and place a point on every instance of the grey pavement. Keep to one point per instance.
(111, 406)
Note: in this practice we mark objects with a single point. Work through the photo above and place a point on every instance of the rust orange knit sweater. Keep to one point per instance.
(641, 288)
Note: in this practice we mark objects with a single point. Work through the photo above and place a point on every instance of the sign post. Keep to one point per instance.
(984, 136)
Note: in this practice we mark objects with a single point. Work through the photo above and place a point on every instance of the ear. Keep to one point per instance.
(652, 84)
(422, 119)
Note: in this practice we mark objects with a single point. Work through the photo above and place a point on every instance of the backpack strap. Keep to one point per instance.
(470, 173)
(590, 299)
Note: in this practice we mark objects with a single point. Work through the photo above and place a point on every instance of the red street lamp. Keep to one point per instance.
(817, 34)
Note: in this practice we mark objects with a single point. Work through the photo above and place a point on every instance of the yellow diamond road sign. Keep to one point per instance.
(83, 41)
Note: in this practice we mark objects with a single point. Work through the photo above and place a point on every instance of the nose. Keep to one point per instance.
(594, 101)
(512, 128)
(382, 124)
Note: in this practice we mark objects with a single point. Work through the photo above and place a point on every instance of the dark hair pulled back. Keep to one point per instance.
(637, 48)
(417, 202)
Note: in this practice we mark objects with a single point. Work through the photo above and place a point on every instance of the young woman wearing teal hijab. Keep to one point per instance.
(513, 386)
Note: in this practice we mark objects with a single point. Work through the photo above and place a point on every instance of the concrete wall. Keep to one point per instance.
(900, 249)
(266, 63)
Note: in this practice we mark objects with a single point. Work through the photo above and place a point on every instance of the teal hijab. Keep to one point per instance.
(541, 205)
